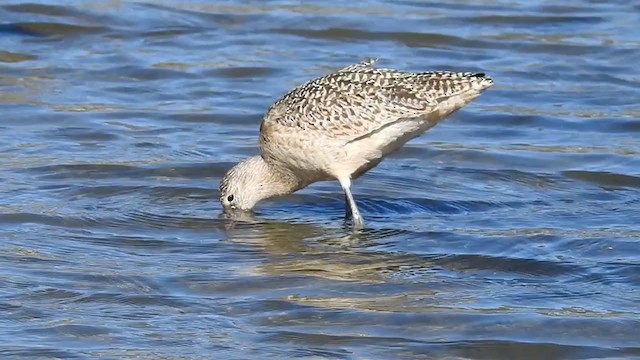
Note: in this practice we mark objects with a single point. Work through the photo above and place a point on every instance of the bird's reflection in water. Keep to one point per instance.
(284, 237)
(335, 253)
(333, 267)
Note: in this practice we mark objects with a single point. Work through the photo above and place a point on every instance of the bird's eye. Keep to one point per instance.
(230, 198)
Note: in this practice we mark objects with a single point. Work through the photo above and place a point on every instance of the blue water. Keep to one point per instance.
(509, 231)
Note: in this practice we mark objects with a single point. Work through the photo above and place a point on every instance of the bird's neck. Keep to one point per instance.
(275, 180)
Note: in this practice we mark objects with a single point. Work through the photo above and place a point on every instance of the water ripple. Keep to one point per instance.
(41, 29)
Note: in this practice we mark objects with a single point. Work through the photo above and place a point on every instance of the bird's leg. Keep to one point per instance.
(358, 222)
(347, 207)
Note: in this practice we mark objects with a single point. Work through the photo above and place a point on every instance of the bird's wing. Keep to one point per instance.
(359, 99)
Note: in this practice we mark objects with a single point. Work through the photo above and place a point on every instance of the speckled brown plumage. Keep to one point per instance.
(341, 125)
(360, 98)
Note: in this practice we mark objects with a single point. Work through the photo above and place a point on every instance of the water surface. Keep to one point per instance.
(509, 231)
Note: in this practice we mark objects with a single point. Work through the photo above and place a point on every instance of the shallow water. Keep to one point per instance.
(509, 231)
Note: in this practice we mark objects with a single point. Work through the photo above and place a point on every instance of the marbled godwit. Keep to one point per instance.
(339, 126)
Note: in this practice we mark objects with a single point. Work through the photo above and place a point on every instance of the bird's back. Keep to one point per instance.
(359, 99)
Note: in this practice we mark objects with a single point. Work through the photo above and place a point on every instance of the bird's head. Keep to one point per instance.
(251, 181)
